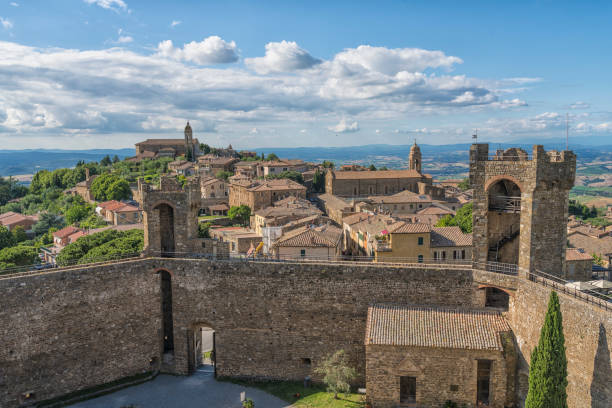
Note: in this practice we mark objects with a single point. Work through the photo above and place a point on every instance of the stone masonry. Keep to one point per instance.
(544, 182)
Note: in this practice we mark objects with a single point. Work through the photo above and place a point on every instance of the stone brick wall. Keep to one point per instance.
(436, 370)
(588, 341)
(544, 181)
(65, 331)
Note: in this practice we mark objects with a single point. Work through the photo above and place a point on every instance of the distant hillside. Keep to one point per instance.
(13, 162)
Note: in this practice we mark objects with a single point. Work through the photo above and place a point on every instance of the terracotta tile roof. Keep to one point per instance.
(379, 174)
(126, 208)
(411, 228)
(428, 326)
(75, 236)
(10, 218)
(109, 205)
(334, 202)
(577, 254)
(210, 180)
(355, 218)
(169, 142)
(601, 246)
(269, 185)
(435, 210)
(65, 232)
(402, 197)
(324, 236)
(219, 207)
(449, 236)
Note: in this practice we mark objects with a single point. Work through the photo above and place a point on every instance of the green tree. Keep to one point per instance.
(291, 175)
(597, 260)
(204, 148)
(116, 159)
(337, 374)
(77, 213)
(106, 161)
(465, 184)
(328, 164)
(318, 181)
(204, 229)
(93, 221)
(19, 255)
(47, 221)
(19, 234)
(384, 168)
(6, 238)
(271, 157)
(548, 370)
(119, 190)
(224, 175)
(372, 167)
(240, 214)
(462, 219)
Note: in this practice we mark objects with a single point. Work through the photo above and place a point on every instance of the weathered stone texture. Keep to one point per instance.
(65, 331)
(436, 370)
(588, 341)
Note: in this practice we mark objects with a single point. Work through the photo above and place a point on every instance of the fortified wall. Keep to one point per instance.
(72, 329)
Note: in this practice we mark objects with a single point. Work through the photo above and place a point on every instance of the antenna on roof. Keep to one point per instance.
(566, 131)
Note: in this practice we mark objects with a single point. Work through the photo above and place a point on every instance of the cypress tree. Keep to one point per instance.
(548, 371)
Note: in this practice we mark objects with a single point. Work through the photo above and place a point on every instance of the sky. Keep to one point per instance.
(82, 74)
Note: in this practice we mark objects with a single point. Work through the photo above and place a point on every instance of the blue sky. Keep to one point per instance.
(107, 73)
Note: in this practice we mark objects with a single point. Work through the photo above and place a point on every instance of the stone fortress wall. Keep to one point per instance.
(68, 330)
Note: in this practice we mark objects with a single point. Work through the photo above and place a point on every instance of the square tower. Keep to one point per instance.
(521, 206)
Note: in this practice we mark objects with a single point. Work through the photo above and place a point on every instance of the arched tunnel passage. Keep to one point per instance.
(504, 221)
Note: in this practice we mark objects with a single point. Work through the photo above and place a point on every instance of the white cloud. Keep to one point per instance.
(54, 91)
(377, 131)
(303, 131)
(580, 105)
(174, 23)
(345, 127)
(392, 61)
(125, 39)
(254, 131)
(109, 4)
(284, 56)
(211, 50)
(6, 23)
(12, 3)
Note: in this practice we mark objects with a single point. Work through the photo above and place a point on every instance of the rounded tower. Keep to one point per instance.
(414, 159)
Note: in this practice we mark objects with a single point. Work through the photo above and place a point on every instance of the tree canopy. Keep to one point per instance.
(102, 245)
(291, 175)
(110, 187)
(336, 372)
(462, 219)
(240, 214)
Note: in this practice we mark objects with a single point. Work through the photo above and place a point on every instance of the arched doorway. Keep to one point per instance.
(504, 221)
(166, 229)
(496, 298)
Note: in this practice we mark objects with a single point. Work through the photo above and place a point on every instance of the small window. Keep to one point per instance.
(411, 206)
(454, 254)
(435, 255)
(420, 205)
(454, 387)
(306, 361)
(443, 254)
(203, 244)
(420, 240)
(302, 252)
(463, 254)
(420, 258)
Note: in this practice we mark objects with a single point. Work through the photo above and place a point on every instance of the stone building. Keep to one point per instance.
(283, 212)
(259, 194)
(521, 206)
(12, 220)
(419, 242)
(153, 148)
(423, 356)
(214, 188)
(321, 242)
(578, 264)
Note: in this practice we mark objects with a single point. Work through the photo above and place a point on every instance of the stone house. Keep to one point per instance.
(283, 212)
(247, 169)
(363, 233)
(381, 182)
(423, 356)
(272, 168)
(404, 202)
(421, 242)
(66, 236)
(213, 187)
(335, 207)
(118, 213)
(11, 220)
(182, 167)
(83, 188)
(578, 264)
(239, 239)
(259, 194)
(321, 242)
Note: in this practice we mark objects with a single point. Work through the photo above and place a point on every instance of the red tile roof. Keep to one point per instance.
(429, 326)
(325, 236)
(411, 228)
(577, 254)
(379, 174)
(65, 232)
(449, 237)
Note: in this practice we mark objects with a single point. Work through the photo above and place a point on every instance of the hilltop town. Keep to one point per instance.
(401, 268)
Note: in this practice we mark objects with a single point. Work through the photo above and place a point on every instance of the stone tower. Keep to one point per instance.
(414, 159)
(189, 151)
(520, 206)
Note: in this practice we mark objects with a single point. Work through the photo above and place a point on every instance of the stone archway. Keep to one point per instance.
(202, 339)
(503, 220)
(166, 229)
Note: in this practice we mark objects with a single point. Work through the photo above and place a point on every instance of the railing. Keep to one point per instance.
(590, 296)
(505, 204)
